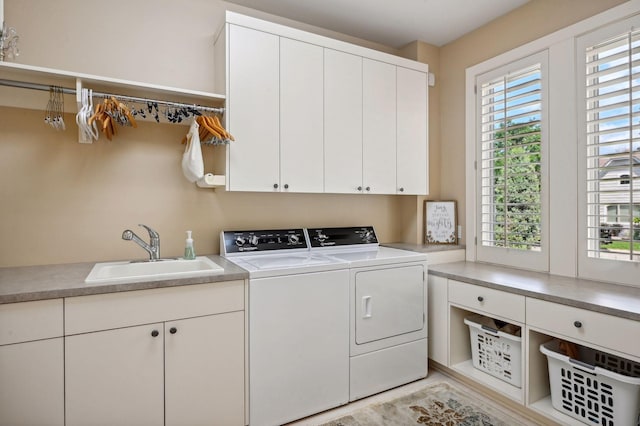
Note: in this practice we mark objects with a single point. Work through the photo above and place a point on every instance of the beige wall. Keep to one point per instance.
(529, 22)
(412, 208)
(65, 202)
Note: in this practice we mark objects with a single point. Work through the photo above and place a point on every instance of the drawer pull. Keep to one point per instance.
(154, 333)
(480, 299)
(173, 330)
(577, 324)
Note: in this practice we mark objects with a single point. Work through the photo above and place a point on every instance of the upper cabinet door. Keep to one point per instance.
(379, 127)
(253, 108)
(301, 116)
(342, 122)
(412, 142)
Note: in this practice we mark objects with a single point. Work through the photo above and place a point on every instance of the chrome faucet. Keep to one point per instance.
(153, 248)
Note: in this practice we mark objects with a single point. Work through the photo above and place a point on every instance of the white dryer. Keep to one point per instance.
(388, 308)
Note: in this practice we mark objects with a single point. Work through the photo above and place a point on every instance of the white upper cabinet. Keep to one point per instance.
(313, 114)
(379, 127)
(411, 138)
(342, 122)
(253, 109)
(301, 116)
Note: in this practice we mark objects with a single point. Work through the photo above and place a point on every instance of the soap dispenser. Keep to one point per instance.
(189, 251)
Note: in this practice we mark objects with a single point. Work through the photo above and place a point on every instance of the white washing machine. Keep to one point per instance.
(298, 324)
(388, 308)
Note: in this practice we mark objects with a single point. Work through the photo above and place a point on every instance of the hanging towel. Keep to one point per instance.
(192, 163)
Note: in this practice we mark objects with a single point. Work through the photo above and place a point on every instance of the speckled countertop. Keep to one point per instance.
(425, 248)
(618, 300)
(25, 283)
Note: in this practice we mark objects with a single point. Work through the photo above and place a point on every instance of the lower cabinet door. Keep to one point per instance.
(204, 370)
(115, 377)
(32, 383)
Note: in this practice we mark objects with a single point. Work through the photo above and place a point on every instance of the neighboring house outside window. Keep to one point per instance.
(616, 207)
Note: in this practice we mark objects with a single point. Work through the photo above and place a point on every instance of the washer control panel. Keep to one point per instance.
(339, 237)
(262, 241)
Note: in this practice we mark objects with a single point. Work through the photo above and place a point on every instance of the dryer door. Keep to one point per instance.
(389, 302)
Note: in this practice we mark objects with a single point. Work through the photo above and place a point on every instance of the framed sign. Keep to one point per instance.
(440, 222)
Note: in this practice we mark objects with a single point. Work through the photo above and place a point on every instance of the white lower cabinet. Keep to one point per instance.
(31, 363)
(467, 300)
(438, 319)
(185, 368)
(31, 383)
(115, 377)
(540, 322)
(204, 370)
(608, 334)
(191, 368)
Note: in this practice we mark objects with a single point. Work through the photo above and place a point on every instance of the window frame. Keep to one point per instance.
(563, 141)
(601, 269)
(527, 259)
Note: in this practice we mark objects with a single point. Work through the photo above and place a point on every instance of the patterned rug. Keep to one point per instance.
(440, 404)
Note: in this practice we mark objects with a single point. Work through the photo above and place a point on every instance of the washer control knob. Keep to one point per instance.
(240, 241)
(253, 240)
(293, 239)
(367, 236)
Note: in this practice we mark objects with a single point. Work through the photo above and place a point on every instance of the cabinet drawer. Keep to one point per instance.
(619, 334)
(487, 300)
(26, 321)
(114, 310)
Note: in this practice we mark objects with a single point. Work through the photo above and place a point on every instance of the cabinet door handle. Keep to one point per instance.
(173, 330)
(480, 299)
(286, 186)
(577, 324)
(359, 188)
(401, 189)
(154, 333)
(368, 188)
(275, 186)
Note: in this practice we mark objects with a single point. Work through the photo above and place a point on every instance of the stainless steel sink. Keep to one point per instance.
(121, 272)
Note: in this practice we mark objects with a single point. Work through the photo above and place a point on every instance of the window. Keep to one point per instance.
(608, 61)
(510, 162)
(612, 82)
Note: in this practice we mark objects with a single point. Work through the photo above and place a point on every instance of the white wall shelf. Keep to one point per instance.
(20, 98)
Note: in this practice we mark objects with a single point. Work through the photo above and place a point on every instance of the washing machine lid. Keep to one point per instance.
(287, 264)
(274, 252)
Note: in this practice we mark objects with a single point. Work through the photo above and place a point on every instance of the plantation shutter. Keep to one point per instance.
(613, 147)
(511, 207)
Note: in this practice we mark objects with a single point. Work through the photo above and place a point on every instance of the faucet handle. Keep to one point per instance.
(152, 233)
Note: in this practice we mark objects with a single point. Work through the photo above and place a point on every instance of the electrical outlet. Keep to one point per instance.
(459, 231)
